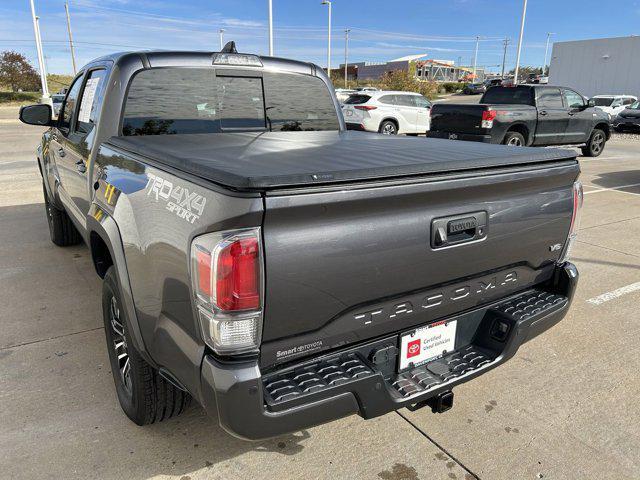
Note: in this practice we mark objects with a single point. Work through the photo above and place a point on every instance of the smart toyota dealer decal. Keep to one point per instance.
(426, 343)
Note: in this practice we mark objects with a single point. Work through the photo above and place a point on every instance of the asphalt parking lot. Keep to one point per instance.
(566, 407)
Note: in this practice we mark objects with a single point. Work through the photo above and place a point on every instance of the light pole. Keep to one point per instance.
(221, 32)
(73, 53)
(270, 28)
(546, 51)
(346, 54)
(475, 57)
(524, 14)
(328, 2)
(43, 73)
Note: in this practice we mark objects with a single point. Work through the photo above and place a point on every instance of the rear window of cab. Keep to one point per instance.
(166, 101)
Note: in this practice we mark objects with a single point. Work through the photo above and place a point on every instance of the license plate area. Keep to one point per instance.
(425, 344)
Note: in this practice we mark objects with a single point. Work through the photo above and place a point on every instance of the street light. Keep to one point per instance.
(270, 28)
(546, 51)
(346, 54)
(328, 2)
(524, 13)
(43, 72)
(475, 57)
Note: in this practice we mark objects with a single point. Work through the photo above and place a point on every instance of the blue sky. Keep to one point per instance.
(380, 30)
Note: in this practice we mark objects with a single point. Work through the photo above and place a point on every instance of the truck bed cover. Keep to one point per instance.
(251, 161)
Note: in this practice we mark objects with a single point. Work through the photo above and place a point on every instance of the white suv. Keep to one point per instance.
(613, 104)
(387, 112)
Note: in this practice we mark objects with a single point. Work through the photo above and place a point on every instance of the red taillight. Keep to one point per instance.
(238, 276)
(203, 262)
(226, 278)
(365, 107)
(489, 115)
(578, 197)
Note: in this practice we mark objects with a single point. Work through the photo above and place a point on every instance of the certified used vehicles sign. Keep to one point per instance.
(427, 343)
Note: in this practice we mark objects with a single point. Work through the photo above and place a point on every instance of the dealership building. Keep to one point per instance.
(422, 68)
(597, 67)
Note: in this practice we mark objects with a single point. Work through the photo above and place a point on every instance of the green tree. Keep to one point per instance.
(525, 71)
(17, 73)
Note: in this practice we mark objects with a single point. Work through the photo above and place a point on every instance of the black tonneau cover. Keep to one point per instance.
(268, 160)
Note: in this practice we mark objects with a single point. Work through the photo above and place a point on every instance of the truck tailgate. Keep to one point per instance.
(459, 118)
(348, 264)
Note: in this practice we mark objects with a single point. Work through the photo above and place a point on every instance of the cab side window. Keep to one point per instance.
(69, 105)
(549, 98)
(572, 99)
(90, 101)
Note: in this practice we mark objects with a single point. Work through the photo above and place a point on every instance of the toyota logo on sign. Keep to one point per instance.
(413, 348)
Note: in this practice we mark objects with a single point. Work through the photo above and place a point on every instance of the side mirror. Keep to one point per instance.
(591, 103)
(36, 115)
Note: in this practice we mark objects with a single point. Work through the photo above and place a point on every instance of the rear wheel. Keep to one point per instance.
(145, 397)
(388, 128)
(514, 139)
(61, 229)
(595, 145)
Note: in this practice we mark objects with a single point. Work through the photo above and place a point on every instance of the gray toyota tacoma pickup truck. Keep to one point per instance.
(280, 270)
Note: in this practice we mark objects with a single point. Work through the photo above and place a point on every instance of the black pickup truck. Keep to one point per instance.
(535, 115)
(285, 272)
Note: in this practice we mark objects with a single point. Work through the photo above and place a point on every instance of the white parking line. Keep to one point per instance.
(605, 297)
(617, 189)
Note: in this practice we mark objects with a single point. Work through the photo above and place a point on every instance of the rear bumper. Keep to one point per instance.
(626, 122)
(253, 407)
(355, 126)
(469, 137)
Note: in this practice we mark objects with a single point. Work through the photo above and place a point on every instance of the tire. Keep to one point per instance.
(145, 397)
(514, 139)
(595, 145)
(61, 229)
(619, 129)
(388, 128)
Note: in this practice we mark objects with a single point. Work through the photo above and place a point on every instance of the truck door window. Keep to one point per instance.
(549, 98)
(90, 101)
(69, 105)
(573, 100)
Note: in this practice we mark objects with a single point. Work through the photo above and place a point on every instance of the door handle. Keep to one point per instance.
(543, 112)
(61, 152)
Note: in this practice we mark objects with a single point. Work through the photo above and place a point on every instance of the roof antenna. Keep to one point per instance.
(229, 47)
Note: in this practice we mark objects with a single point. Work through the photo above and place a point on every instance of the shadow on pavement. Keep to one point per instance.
(618, 179)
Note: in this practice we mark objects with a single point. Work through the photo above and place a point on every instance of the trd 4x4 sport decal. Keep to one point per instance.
(185, 204)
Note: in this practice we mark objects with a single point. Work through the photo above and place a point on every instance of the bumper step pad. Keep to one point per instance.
(314, 377)
(529, 304)
(335, 373)
(441, 370)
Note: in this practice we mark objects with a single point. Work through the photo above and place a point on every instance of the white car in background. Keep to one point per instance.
(387, 112)
(343, 93)
(613, 104)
